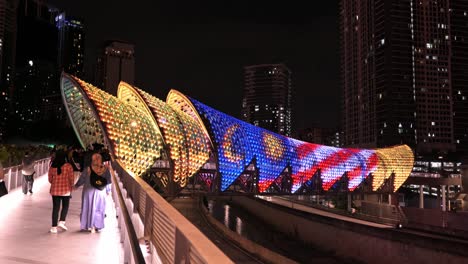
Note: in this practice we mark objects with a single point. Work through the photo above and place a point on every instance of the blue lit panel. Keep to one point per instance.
(231, 143)
(271, 152)
(238, 143)
(360, 165)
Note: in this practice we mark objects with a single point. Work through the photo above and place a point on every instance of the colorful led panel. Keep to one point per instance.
(239, 143)
(396, 160)
(231, 142)
(128, 132)
(85, 120)
(188, 147)
(359, 166)
(138, 126)
(271, 153)
(180, 103)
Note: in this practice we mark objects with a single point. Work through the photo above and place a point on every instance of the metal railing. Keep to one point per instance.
(153, 226)
(14, 178)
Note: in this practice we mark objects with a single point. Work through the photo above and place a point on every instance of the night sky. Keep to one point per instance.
(200, 47)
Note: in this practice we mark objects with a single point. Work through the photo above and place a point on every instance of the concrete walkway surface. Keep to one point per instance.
(25, 222)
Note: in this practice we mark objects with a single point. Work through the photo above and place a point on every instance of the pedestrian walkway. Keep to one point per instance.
(25, 221)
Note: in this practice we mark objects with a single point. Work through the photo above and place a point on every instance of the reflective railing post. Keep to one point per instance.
(131, 246)
(14, 177)
(143, 215)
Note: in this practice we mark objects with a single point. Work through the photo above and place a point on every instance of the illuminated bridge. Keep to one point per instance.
(160, 147)
(169, 142)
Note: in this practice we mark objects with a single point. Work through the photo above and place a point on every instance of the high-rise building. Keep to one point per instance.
(400, 65)
(321, 135)
(458, 72)
(116, 63)
(71, 41)
(37, 33)
(8, 9)
(36, 64)
(267, 97)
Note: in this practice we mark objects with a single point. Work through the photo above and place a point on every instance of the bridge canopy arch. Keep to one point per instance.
(138, 127)
(126, 131)
(185, 141)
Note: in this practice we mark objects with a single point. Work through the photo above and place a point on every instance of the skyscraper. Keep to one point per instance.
(71, 41)
(267, 97)
(8, 16)
(116, 63)
(36, 64)
(459, 72)
(399, 74)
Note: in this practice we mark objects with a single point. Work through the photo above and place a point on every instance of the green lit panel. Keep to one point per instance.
(133, 136)
(79, 110)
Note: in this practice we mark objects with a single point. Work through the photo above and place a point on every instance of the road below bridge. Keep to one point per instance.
(254, 229)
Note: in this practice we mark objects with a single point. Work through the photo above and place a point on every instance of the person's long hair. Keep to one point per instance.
(59, 160)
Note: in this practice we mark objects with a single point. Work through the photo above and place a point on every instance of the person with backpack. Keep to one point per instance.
(61, 181)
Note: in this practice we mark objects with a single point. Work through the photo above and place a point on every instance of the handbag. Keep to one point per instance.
(3, 189)
(97, 181)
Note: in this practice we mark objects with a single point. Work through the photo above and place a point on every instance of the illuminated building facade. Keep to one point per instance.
(141, 130)
(36, 93)
(71, 40)
(403, 66)
(267, 97)
(8, 32)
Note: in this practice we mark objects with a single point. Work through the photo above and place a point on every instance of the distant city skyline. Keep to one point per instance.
(404, 74)
(201, 49)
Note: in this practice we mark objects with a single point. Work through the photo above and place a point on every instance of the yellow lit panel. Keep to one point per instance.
(132, 136)
(187, 146)
(397, 160)
(181, 103)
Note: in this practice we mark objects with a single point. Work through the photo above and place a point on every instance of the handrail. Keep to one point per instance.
(134, 244)
(13, 176)
(172, 238)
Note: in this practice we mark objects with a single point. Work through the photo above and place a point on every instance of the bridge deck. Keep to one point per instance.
(25, 238)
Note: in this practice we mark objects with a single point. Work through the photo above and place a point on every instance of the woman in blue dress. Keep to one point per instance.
(93, 201)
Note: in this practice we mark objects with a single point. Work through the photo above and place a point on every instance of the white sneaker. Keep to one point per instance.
(53, 230)
(93, 230)
(61, 224)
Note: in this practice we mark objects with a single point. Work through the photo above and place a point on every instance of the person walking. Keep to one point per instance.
(61, 181)
(3, 157)
(96, 181)
(28, 173)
